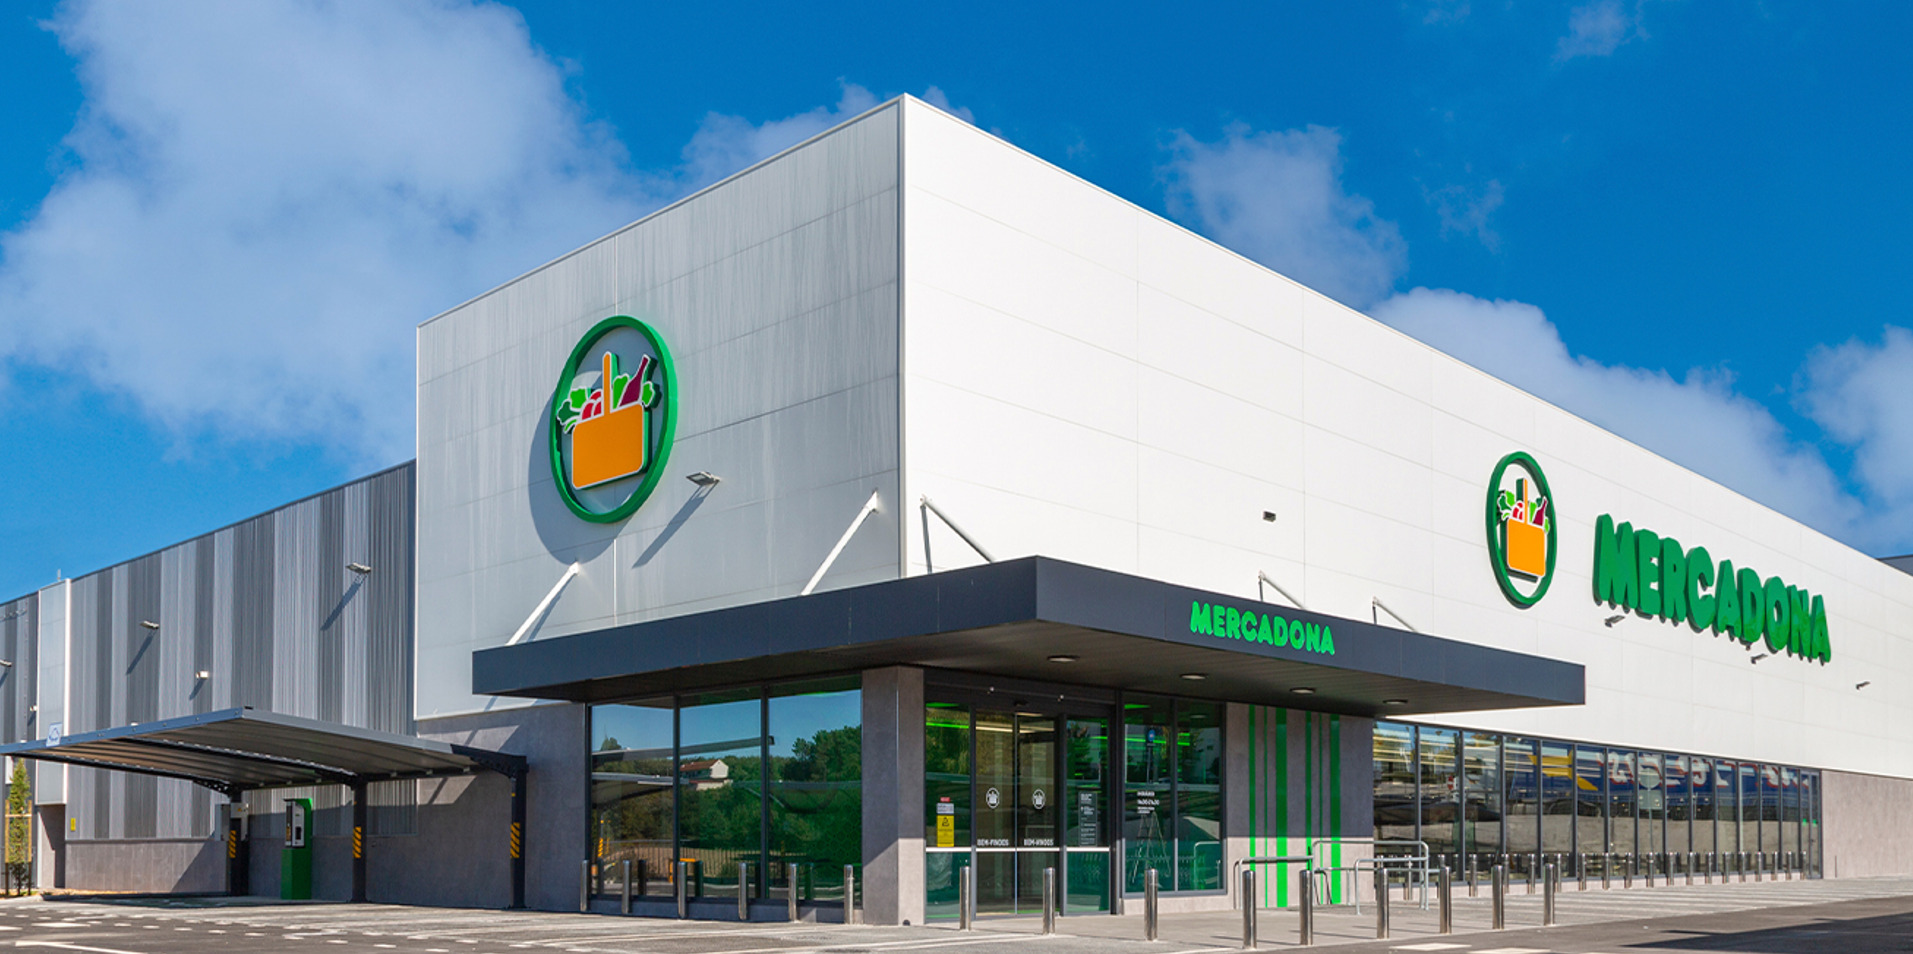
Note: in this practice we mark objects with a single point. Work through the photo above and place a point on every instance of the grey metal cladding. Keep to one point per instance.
(267, 610)
(19, 684)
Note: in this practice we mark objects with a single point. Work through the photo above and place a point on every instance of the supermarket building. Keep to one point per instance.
(906, 503)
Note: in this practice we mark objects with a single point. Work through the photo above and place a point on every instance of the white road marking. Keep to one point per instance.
(1432, 946)
(71, 947)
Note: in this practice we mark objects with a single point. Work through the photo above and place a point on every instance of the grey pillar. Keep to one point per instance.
(893, 795)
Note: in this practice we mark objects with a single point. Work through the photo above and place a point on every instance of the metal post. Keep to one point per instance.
(1473, 886)
(624, 893)
(1381, 902)
(1647, 867)
(790, 884)
(1693, 858)
(1547, 895)
(1306, 910)
(1248, 907)
(1445, 896)
(1498, 890)
(850, 894)
(1740, 865)
(966, 897)
(1049, 900)
(584, 887)
(743, 891)
(1581, 868)
(684, 889)
(1149, 889)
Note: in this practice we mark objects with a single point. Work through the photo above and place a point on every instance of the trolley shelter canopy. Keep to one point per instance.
(1015, 618)
(238, 750)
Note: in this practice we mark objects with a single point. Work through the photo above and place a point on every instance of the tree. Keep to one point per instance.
(19, 825)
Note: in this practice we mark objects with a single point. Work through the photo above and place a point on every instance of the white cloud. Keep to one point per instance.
(1465, 210)
(1859, 394)
(1698, 419)
(266, 198)
(1598, 29)
(1278, 198)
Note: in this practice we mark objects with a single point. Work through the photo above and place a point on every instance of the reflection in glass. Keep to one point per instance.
(1590, 794)
(1650, 796)
(1558, 801)
(1700, 774)
(1770, 841)
(1394, 781)
(1747, 787)
(720, 787)
(631, 794)
(1481, 782)
(1085, 807)
(816, 784)
(1623, 801)
(1198, 796)
(1680, 807)
(1147, 801)
(1440, 814)
(946, 777)
(1523, 812)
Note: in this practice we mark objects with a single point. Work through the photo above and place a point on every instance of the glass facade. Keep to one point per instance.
(767, 776)
(1484, 793)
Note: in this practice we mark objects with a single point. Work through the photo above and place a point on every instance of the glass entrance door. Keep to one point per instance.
(1015, 809)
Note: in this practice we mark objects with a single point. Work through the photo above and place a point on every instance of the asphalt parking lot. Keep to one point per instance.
(1861, 916)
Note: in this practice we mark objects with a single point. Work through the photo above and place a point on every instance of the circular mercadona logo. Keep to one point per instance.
(613, 416)
(1521, 539)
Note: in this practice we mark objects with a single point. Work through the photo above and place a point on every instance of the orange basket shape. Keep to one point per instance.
(1527, 544)
(609, 446)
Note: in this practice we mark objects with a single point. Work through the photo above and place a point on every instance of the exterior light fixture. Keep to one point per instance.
(359, 568)
(1759, 657)
(1394, 702)
(1617, 617)
(149, 624)
(203, 674)
(1195, 676)
(6, 663)
(703, 478)
(1303, 690)
(1062, 658)
(1864, 684)
(1268, 515)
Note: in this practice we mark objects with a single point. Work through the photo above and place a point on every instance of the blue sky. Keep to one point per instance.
(219, 225)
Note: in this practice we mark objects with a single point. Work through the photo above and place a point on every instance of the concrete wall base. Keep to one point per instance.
(1869, 825)
(183, 865)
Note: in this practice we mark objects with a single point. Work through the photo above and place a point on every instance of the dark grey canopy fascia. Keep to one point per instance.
(1010, 619)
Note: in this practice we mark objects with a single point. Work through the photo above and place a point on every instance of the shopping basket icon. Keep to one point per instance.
(1526, 528)
(610, 444)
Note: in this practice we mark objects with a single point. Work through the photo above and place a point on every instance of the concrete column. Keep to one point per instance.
(893, 795)
(49, 850)
(1235, 794)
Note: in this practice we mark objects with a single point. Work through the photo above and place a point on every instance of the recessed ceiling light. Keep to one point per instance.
(1195, 676)
(1303, 690)
(1062, 658)
(1394, 702)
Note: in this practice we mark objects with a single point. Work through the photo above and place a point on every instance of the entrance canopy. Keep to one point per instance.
(236, 750)
(1038, 618)
(239, 750)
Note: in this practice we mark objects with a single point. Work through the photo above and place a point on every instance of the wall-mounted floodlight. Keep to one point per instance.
(703, 478)
(1864, 684)
(6, 663)
(203, 674)
(149, 624)
(1759, 657)
(1268, 515)
(359, 568)
(1617, 617)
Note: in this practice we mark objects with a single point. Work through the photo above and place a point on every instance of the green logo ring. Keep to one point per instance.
(1497, 548)
(667, 428)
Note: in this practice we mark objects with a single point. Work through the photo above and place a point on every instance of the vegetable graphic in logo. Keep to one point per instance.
(611, 431)
(1521, 538)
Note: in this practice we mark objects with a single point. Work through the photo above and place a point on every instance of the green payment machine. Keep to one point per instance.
(295, 859)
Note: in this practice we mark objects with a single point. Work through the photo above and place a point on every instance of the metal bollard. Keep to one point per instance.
(1647, 867)
(1740, 865)
(1472, 882)
(743, 891)
(1498, 890)
(1693, 858)
(1547, 895)
(1149, 889)
(850, 894)
(584, 888)
(1533, 867)
(790, 882)
(1445, 895)
(1248, 908)
(1381, 902)
(1306, 909)
(1581, 867)
(1049, 900)
(643, 883)
(966, 897)
(624, 895)
(684, 889)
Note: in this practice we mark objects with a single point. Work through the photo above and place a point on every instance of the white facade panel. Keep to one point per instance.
(1250, 393)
